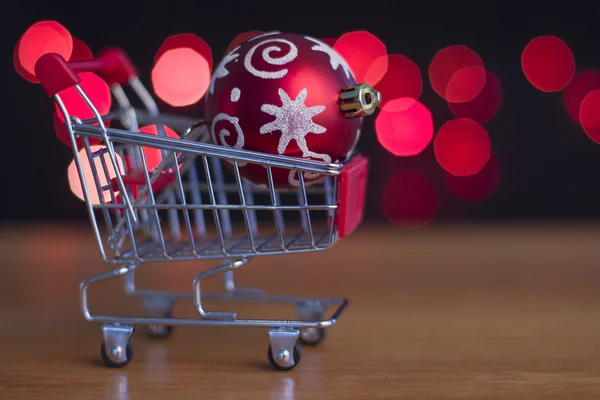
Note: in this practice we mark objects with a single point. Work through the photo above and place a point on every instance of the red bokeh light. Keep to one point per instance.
(81, 51)
(75, 182)
(62, 133)
(376, 71)
(241, 38)
(360, 49)
(452, 75)
(95, 88)
(154, 156)
(589, 117)
(583, 83)
(410, 200)
(181, 77)
(39, 39)
(404, 127)
(19, 68)
(485, 105)
(401, 79)
(466, 84)
(330, 41)
(548, 63)
(462, 147)
(186, 40)
(478, 186)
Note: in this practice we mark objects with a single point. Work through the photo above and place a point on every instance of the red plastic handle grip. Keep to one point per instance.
(56, 74)
(352, 195)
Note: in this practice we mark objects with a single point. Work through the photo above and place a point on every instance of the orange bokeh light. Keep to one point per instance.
(95, 88)
(39, 39)
(485, 105)
(186, 40)
(181, 77)
(462, 147)
(589, 117)
(404, 127)
(154, 156)
(548, 63)
(360, 49)
(73, 174)
(241, 38)
(81, 51)
(410, 200)
(478, 186)
(583, 83)
(457, 74)
(402, 78)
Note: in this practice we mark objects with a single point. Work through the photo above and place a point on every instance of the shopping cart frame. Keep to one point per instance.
(347, 181)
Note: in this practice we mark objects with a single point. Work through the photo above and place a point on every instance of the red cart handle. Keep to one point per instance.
(56, 74)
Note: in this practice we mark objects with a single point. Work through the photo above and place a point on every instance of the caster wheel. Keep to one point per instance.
(312, 336)
(279, 361)
(108, 358)
(160, 331)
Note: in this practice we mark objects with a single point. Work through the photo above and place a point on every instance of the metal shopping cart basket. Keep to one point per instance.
(182, 210)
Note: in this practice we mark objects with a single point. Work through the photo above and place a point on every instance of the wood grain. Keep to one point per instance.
(478, 312)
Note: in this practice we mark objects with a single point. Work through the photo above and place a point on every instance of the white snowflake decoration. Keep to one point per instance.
(294, 120)
(334, 58)
(221, 71)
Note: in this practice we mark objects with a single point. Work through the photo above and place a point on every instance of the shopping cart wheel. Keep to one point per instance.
(280, 360)
(114, 358)
(311, 311)
(117, 350)
(312, 336)
(284, 350)
(160, 331)
(159, 307)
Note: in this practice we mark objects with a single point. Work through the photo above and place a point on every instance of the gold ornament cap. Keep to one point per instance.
(359, 100)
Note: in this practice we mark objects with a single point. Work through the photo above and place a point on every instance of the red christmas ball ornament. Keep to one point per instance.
(286, 94)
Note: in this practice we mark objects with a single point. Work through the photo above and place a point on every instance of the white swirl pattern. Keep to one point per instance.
(266, 55)
(223, 133)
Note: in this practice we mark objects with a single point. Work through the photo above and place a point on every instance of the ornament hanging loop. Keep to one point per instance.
(359, 100)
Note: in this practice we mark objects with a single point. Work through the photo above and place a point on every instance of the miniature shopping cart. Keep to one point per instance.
(185, 209)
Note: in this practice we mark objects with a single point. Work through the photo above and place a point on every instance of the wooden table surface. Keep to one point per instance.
(476, 312)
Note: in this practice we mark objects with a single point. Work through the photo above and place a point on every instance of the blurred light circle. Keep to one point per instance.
(548, 63)
(402, 78)
(81, 51)
(181, 77)
(39, 39)
(444, 68)
(466, 84)
(97, 91)
(19, 68)
(241, 38)
(404, 127)
(186, 40)
(589, 115)
(478, 186)
(75, 182)
(376, 71)
(62, 132)
(410, 200)
(583, 83)
(360, 49)
(330, 41)
(485, 105)
(154, 156)
(462, 147)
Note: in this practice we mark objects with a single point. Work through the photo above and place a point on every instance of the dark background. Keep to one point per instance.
(549, 168)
